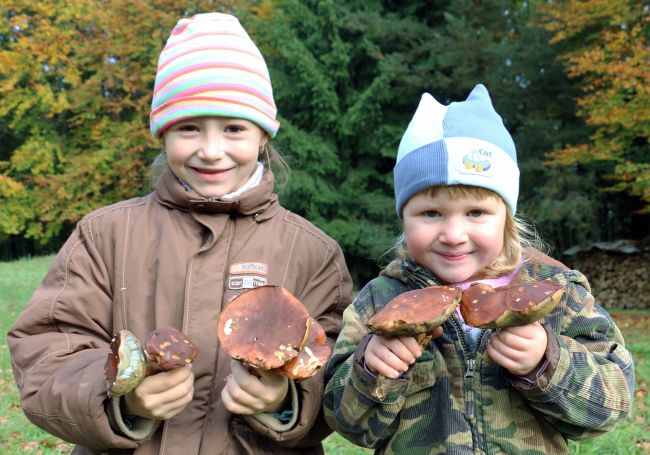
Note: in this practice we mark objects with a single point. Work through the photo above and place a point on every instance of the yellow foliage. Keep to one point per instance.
(607, 51)
(75, 95)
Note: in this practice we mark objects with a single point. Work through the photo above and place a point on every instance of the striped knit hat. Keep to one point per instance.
(465, 143)
(210, 66)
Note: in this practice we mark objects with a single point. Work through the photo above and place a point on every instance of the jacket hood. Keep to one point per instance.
(169, 192)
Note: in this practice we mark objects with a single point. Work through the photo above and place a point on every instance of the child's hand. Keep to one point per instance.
(251, 392)
(162, 395)
(518, 349)
(391, 356)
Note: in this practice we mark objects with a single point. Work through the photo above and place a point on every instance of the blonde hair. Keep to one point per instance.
(519, 232)
(269, 156)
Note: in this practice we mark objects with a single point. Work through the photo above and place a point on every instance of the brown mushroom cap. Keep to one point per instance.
(167, 348)
(486, 307)
(267, 327)
(312, 355)
(125, 365)
(416, 312)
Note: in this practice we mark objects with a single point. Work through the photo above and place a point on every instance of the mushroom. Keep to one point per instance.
(167, 348)
(268, 328)
(125, 365)
(414, 313)
(128, 363)
(486, 307)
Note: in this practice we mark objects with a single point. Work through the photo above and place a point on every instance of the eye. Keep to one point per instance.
(234, 129)
(475, 213)
(187, 127)
(431, 213)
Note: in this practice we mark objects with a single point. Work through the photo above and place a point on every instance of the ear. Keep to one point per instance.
(425, 126)
(480, 93)
(265, 140)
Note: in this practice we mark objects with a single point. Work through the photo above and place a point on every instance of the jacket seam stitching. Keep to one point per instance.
(328, 244)
(123, 287)
(56, 416)
(90, 231)
(65, 284)
(338, 269)
(186, 312)
(106, 211)
(51, 312)
(286, 267)
(307, 229)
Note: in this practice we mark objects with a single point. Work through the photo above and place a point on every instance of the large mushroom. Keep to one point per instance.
(414, 313)
(268, 328)
(486, 307)
(128, 363)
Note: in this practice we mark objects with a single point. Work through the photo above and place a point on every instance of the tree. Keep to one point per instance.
(348, 76)
(75, 90)
(606, 50)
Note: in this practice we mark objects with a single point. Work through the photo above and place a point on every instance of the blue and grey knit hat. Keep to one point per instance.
(464, 143)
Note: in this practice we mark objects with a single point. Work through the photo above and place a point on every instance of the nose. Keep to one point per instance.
(212, 147)
(453, 232)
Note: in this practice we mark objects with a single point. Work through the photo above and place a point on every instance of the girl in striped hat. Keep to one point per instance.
(211, 229)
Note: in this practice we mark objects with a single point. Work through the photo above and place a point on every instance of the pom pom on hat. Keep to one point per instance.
(210, 66)
(465, 143)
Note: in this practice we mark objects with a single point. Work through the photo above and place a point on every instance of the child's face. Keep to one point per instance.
(454, 238)
(214, 155)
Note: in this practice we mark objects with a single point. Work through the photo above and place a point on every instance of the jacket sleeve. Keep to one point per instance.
(588, 384)
(59, 345)
(362, 407)
(326, 295)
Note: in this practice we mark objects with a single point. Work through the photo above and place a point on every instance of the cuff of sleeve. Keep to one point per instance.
(284, 420)
(376, 387)
(541, 376)
(136, 428)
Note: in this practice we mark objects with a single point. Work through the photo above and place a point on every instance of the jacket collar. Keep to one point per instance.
(410, 273)
(260, 201)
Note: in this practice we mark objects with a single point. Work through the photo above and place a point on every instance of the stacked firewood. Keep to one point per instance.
(619, 277)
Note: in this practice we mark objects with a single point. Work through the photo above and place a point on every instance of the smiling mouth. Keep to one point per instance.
(210, 171)
(453, 256)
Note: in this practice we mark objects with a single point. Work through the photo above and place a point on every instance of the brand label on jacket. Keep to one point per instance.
(249, 268)
(246, 281)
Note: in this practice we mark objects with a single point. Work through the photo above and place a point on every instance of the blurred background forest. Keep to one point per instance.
(570, 78)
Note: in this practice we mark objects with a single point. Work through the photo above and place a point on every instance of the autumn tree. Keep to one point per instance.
(605, 48)
(75, 92)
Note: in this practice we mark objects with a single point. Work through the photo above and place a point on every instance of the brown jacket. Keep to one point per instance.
(171, 258)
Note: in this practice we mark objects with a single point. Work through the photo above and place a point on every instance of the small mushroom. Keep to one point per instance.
(312, 354)
(167, 348)
(268, 328)
(486, 307)
(128, 363)
(415, 313)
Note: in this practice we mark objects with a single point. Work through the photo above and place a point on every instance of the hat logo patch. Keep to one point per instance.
(477, 160)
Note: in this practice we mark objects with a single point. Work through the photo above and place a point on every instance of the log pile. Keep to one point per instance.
(619, 273)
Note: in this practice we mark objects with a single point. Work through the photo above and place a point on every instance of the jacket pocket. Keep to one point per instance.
(423, 375)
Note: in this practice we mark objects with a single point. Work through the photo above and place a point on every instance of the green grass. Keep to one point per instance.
(19, 279)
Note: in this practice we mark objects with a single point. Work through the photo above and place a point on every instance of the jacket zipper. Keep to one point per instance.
(468, 378)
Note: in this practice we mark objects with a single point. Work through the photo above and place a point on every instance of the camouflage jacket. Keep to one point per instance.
(456, 401)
